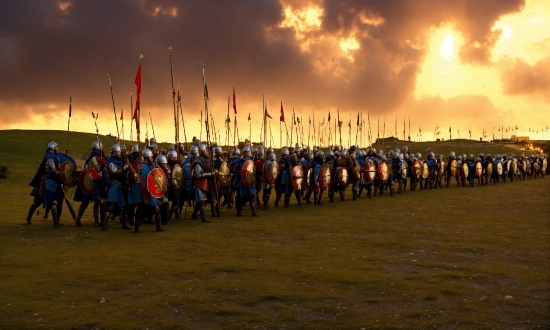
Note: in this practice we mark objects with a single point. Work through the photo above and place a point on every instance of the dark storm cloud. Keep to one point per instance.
(48, 51)
(520, 78)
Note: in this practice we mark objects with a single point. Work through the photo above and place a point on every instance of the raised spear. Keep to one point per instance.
(114, 108)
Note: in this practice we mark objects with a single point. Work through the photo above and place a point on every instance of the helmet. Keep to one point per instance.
(261, 150)
(272, 157)
(464, 156)
(97, 145)
(236, 152)
(488, 155)
(269, 150)
(452, 154)
(202, 147)
(154, 146)
(116, 148)
(147, 153)
(344, 152)
(285, 151)
(390, 152)
(431, 154)
(320, 153)
(163, 151)
(460, 157)
(373, 150)
(194, 150)
(135, 147)
(330, 153)
(161, 159)
(499, 156)
(406, 148)
(197, 142)
(52, 145)
(471, 157)
(504, 155)
(418, 155)
(172, 146)
(397, 150)
(152, 141)
(396, 155)
(246, 149)
(172, 153)
(297, 150)
(481, 154)
(218, 149)
(478, 159)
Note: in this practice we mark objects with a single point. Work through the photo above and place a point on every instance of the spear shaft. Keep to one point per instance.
(114, 108)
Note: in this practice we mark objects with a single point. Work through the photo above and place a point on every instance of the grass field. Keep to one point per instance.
(457, 258)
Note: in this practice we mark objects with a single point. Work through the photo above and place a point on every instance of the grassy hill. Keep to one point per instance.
(457, 258)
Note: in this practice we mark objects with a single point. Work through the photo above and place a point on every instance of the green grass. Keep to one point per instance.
(446, 258)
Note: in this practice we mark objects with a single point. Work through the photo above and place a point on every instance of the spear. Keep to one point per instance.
(122, 122)
(200, 136)
(182, 120)
(95, 122)
(214, 179)
(152, 127)
(114, 108)
(131, 121)
(69, 122)
(176, 126)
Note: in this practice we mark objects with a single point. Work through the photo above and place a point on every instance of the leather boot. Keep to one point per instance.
(315, 198)
(253, 207)
(287, 201)
(136, 227)
(278, 198)
(81, 210)
(308, 196)
(331, 196)
(360, 191)
(266, 201)
(105, 220)
(130, 214)
(56, 222)
(319, 198)
(369, 192)
(123, 219)
(31, 212)
(391, 189)
(195, 211)
(231, 202)
(96, 216)
(214, 209)
(354, 194)
(298, 195)
(48, 209)
(157, 222)
(201, 211)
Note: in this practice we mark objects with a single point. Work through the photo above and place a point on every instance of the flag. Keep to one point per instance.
(267, 114)
(249, 116)
(329, 116)
(137, 81)
(234, 102)
(282, 117)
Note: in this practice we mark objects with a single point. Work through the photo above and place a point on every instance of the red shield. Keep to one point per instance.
(308, 176)
(157, 183)
(479, 169)
(325, 176)
(88, 181)
(417, 169)
(272, 172)
(383, 173)
(248, 174)
(342, 176)
(370, 170)
(297, 176)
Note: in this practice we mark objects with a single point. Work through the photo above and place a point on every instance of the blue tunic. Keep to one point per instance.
(145, 169)
(244, 191)
(79, 196)
(115, 190)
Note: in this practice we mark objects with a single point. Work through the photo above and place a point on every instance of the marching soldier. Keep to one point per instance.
(432, 172)
(266, 185)
(162, 163)
(259, 162)
(397, 163)
(245, 194)
(94, 161)
(186, 195)
(134, 184)
(113, 178)
(316, 165)
(284, 186)
(150, 206)
(471, 169)
(220, 165)
(296, 174)
(47, 182)
(204, 188)
(173, 196)
(234, 185)
(355, 173)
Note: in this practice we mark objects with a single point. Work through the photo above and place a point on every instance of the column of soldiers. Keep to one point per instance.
(151, 184)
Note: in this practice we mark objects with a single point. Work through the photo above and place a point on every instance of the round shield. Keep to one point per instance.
(442, 168)
(512, 166)
(67, 170)
(132, 176)
(454, 166)
(383, 172)
(535, 167)
(370, 170)
(224, 175)
(404, 170)
(357, 171)
(417, 167)
(272, 172)
(479, 169)
(499, 168)
(490, 170)
(88, 181)
(157, 182)
(309, 177)
(544, 165)
(342, 175)
(297, 176)
(465, 170)
(248, 174)
(178, 182)
(425, 171)
(325, 177)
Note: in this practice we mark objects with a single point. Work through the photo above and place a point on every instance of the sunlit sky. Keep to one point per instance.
(449, 64)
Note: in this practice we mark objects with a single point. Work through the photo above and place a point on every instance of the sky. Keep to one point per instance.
(459, 65)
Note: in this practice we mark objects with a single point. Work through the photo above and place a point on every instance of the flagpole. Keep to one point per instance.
(182, 121)
(69, 123)
(291, 130)
(131, 122)
(200, 136)
(122, 122)
(176, 137)
(114, 109)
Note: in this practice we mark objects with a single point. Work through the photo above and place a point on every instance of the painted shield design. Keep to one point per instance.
(224, 175)
(297, 176)
(454, 166)
(499, 168)
(157, 182)
(465, 170)
(342, 176)
(383, 172)
(67, 170)
(248, 174)
(132, 175)
(325, 177)
(417, 169)
(404, 170)
(272, 172)
(178, 182)
(544, 165)
(479, 169)
(370, 170)
(442, 168)
(88, 181)
(490, 169)
(425, 171)
(309, 177)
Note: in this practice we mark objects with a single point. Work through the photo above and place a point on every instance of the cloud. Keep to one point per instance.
(520, 78)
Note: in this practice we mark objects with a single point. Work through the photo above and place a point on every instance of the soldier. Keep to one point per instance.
(397, 163)
(294, 163)
(95, 161)
(316, 165)
(233, 185)
(173, 197)
(150, 206)
(186, 166)
(340, 183)
(162, 163)
(266, 186)
(432, 170)
(113, 178)
(134, 184)
(354, 173)
(245, 194)
(259, 161)
(284, 186)
(497, 164)
(481, 179)
(203, 185)
(48, 186)
(471, 169)
(362, 176)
